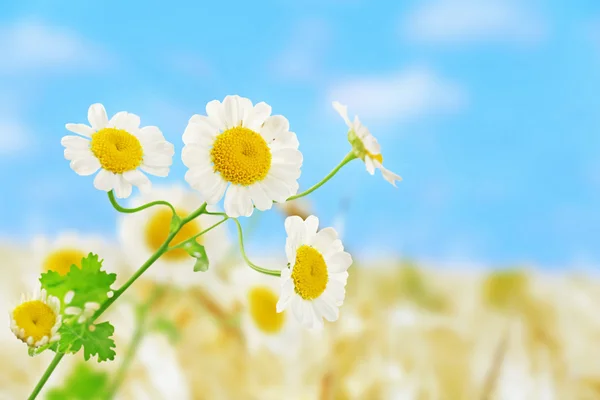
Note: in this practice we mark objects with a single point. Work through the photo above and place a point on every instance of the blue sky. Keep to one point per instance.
(488, 110)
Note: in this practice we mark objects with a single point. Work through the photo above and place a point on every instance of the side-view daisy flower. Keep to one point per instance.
(238, 150)
(365, 145)
(313, 285)
(120, 149)
(36, 319)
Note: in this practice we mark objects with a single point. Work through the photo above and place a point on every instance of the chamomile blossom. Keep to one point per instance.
(120, 149)
(36, 320)
(262, 325)
(365, 145)
(143, 233)
(313, 285)
(238, 150)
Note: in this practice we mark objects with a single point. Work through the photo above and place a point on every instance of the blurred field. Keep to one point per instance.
(406, 331)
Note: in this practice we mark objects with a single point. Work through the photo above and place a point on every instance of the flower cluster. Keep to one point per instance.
(237, 152)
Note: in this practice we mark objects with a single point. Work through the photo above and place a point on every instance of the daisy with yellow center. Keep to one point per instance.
(120, 149)
(365, 145)
(66, 249)
(36, 320)
(143, 233)
(262, 325)
(238, 150)
(313, 285)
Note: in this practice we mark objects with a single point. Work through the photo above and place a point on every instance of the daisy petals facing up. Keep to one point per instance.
(36, 320)
(365, 145)
(240, 152)
(313, 287)
(120, 149)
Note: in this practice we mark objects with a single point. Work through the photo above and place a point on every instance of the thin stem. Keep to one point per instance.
(195, 214)
(46, 375)
(349, 157)
(191, 239)
(121, 209)
(250, 263)
(136, 340)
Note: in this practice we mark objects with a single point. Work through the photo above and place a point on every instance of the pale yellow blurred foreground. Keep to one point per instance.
(405, 332)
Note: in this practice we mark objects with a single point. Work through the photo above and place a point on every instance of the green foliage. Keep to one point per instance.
(95, 339)
(197, 251)
(84, 383)
(88, 283)
(167, 328)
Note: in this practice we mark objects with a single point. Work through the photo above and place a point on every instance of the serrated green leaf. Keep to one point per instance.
(95, 339)
(84, 383)
(196, 250)
(89, 283)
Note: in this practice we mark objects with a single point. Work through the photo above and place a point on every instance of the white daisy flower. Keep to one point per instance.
(144, 232)
(262, 325)
(314, 284)
(242, 145)
(36, 320)
(120, 149)
(365, 145)
(69, 248)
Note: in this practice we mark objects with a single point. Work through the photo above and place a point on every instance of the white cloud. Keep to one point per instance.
(469, 21)
(31, 45)
(404, 95)
(14, 136)
(301, 58)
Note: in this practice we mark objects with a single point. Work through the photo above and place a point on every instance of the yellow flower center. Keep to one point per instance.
(157, 231)
(36, 318)
(117, 150)
(241, 156)
(61, 260)
(377, 157)
(263, 310)
(310, 273)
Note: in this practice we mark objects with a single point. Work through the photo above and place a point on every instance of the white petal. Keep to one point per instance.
(126, 121)
(343, 111)
(277, 189)
(122, 187)
(370, 166)
(75, 142)
(298, 309)
(287, 293)
(327, 309)
(214, 110)
(312, 224)
(339, 262)
(80, 129)
(85, 166)
(200, 131)
(158, 160)
(150, 134)
(287, 157)
(237, 202)
(337, 291)
(387, 174)
(193, 155)
(371, 144)
(260, 198)
(105, 180)
(323, 240)
(233, 112)
(257, 116)
(97, 116)
(285, 140)
(156, 171)
(273, 127)
(208, 183)
(137, 178)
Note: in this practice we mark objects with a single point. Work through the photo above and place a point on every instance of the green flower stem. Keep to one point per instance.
(119, 208)
(349, 157)
(117, 293)
(191, 239)
(46, 375)
(250, 263)
(138, 335)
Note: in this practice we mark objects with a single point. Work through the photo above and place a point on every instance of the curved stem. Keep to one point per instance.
(349, 157)
(195, 214)
(119, 208)
(136, 340)
(181, 244)
(250, 263)
(46, 375)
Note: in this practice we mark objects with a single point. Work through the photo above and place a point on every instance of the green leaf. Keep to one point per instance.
(175, 223)
(84, 383)
(197, 251)
(88, 283)
(166, 327)
(95, 339)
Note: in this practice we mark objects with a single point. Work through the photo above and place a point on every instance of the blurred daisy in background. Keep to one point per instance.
(262, 325)
(120, 149)
(142, 233)
(241, 151)
(59, 253)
